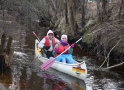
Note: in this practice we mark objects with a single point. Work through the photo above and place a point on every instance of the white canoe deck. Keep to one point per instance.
(78, 70)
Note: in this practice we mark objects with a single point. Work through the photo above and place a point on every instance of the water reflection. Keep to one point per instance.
(2, 87)
(59, 81)
(16, 73)
(5, 79)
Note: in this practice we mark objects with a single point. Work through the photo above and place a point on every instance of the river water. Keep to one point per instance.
(25, 73)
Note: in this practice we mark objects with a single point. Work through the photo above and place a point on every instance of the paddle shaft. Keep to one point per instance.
(36, 36)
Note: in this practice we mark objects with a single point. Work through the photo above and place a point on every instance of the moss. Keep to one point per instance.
(56, 23)
(63, 27)
(87, 38)
(52, 25)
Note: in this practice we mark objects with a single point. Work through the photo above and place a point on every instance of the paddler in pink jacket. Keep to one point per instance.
(66, 57)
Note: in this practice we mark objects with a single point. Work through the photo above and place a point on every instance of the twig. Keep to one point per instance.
(94, 32)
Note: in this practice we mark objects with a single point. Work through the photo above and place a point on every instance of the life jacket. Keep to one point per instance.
(47, 42)
(62, 48)
(122, 2)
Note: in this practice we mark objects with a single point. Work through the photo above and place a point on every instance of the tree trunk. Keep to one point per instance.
(120, 10)
(104, 8)
(66, 11)
(9, 42)
(102, 12)
(54, 2)
(98, 11)
(72, 16)
(83, 13)
(3, 40)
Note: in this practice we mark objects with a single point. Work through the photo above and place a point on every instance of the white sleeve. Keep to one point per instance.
(37, 41)
(41, 44)
(56, 40)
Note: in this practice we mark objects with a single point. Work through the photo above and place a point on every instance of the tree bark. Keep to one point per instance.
(9, 42)
(120, 10)
(104, 10)
(54, 2)
(104, 5)
(83, 13)
(98, 10)
(102, 13)
(66, 11)
(72, 16)
(3, 40)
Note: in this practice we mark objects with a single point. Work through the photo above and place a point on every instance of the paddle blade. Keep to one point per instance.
(47, 64)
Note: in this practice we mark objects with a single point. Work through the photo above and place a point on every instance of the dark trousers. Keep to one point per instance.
(46, 53)
(49, 54)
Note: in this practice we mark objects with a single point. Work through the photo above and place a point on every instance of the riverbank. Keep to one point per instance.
(105, 39)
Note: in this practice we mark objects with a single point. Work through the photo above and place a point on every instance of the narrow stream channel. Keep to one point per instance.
(25, 73)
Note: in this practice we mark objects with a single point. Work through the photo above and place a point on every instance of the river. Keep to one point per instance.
(25, 73)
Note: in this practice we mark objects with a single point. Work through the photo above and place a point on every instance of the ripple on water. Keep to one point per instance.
(2, 87)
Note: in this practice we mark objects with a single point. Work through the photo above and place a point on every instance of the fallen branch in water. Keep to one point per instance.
(114, 65)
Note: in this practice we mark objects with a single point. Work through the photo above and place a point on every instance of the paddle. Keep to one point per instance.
(39, 41)
(36, 36)
(49, 63)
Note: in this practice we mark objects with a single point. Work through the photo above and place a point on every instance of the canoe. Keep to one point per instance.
(78, 70)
